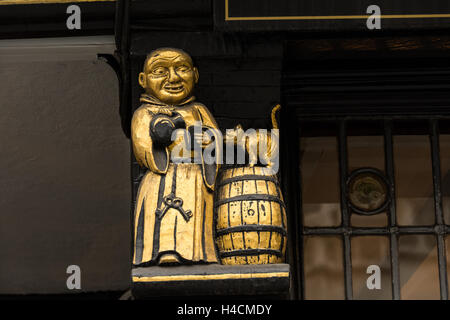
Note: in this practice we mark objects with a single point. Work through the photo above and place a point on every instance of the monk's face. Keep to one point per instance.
(169, 76)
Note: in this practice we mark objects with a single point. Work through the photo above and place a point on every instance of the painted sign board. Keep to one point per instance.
(330, 15)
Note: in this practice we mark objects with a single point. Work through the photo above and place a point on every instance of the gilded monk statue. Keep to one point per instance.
(174, 208)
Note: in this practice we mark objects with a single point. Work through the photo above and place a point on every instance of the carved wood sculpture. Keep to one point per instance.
(174, 214)
(174, 207)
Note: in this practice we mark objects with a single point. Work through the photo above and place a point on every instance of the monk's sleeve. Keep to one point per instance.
(207, 118)
(210, 170)
(155, 158)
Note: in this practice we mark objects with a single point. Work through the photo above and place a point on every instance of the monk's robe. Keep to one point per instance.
(161, 231)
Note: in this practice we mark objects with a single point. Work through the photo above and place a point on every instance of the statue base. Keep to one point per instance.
(270, 280)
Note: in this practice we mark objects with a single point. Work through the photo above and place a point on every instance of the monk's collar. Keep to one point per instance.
(146, 98)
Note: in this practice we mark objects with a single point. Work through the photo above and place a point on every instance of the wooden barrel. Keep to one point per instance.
(250, 217)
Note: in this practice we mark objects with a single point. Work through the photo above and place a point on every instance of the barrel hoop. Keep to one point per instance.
(250, 252)
(251, 197)
(251, 228)
(246, 177)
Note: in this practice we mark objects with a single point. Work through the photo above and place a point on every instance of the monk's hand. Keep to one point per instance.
(203, 139)
(161, 128)
(198, 136)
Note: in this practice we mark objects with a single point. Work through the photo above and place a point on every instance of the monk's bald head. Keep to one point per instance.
(166, 54)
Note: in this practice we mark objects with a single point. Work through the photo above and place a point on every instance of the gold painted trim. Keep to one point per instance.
(344, 17)
(9, 2)
(211, 277)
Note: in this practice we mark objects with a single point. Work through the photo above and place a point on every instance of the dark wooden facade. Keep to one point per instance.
(316, 69)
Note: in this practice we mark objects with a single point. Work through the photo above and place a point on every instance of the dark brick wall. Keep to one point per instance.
(240, 90)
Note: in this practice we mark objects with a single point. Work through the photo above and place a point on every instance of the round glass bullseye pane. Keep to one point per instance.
(367, 192)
